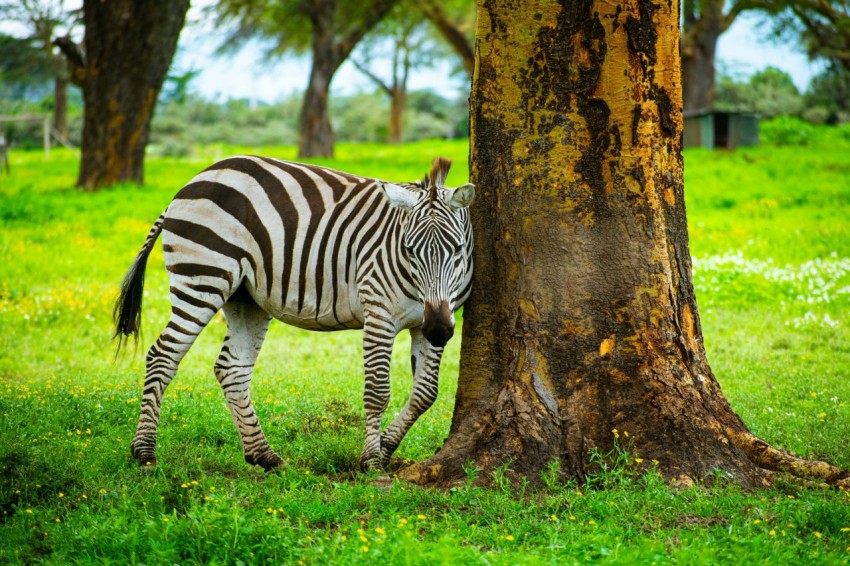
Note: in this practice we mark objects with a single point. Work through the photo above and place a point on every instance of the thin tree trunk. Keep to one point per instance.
(128, 49)
(583, 325)
(397, 107)
(60, 105)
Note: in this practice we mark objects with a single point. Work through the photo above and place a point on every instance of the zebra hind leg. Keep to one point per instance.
(247, 324)
(425, 360)
(184, 325)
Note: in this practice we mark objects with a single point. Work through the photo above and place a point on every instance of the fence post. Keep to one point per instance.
(4, 154)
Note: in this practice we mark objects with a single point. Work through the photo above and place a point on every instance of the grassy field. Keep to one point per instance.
(770, 237)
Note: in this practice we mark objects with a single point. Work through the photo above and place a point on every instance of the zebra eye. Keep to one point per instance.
(458, 248)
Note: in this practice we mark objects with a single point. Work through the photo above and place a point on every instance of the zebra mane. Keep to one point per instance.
(437, 177)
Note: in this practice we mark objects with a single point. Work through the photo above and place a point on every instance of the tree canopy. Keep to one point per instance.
(821, 26)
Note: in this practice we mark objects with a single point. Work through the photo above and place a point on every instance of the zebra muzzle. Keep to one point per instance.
(439, 325)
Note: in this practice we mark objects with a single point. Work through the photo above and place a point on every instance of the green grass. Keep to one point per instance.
(770, 237)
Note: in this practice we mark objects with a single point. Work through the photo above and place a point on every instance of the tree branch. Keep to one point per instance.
(456, 38)
(831, 38)
(74, 55)
(372, 76)
(734, 11)
(375, 12)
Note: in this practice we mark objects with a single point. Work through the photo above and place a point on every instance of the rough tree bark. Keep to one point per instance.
(128, 49)
(583, 318)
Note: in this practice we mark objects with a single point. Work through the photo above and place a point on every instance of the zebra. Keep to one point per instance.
(260, 239)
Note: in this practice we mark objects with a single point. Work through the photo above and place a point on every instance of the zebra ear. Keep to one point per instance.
(398, 196)
(462, 196)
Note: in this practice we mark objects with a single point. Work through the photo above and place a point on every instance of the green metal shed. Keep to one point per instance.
(725, 130)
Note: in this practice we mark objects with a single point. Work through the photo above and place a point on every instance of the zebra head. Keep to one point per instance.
(435, 245)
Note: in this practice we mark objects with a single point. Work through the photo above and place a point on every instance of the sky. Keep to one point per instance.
(742, 50)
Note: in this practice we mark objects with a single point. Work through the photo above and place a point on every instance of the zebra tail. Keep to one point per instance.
(127, 313)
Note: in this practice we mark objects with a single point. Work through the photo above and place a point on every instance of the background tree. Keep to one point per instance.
(455, 20)
(822, 29)
(329, 29)
(770, 92)
(45, 21)
(703, 22)
(829, 94)
(128, 48)
(583, 325)
(403, 33)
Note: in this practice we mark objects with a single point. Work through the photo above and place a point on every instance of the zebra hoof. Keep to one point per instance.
(145, 458)
(146, 461)
(267, 460)
(369, 462)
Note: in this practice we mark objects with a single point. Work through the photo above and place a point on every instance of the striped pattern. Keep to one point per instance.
(320, 249)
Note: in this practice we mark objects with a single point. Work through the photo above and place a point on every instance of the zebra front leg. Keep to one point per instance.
(379, 332)
(425, 362)
(247, 324)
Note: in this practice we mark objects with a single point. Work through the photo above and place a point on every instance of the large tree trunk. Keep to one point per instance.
(315, 135)
(582, 324)
(128, 49)
(698, 52)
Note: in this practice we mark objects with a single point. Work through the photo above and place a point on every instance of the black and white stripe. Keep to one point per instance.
(260, 238)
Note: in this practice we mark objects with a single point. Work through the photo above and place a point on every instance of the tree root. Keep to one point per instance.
(759, 452)
(777, 459)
